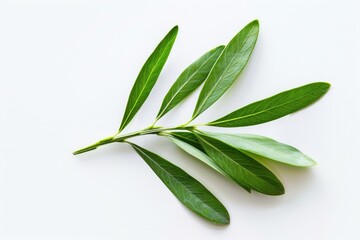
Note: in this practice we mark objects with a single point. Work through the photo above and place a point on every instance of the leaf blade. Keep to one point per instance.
(274, 107)
(189, 80)
(265, 147)
(189, 143)
(241, 167)
(148, 76)
(186, 188)
(228, 67)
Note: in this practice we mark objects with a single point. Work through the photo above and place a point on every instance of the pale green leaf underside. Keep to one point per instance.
(228, 67)
(274, 107)
(265, 147)
(198, 152)
(148, 76)
(241, 167)
(187, 189)
(189, 80)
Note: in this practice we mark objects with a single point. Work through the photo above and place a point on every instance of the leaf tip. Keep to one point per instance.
(175, 29)
(323, 86)
(225, 220)
(278, 190)
(309, 163)
(326, 85)
(281, 191)
(255, 23)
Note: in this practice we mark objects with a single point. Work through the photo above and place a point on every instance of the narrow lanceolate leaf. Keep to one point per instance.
(241, 167)
(267, 148)
(189, 80)
(228, 67)
(187, 137)
(148, 76)
(187, 189)
(274, 107)
(189, 143)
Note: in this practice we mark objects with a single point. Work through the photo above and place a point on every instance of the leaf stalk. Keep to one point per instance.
(121, 138)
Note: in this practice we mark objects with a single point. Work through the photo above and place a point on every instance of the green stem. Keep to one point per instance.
(152, 125)
(187, 122)
(121, 138)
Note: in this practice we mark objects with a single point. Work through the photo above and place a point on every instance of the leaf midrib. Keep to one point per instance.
(212, 89)
(172, 98)
(238, 165)
(146, 81)
(181, 184)
(218, 82)
(179, 136)
(209, 162)
(263, 111)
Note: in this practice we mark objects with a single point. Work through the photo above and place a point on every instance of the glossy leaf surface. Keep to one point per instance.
(241, 167)
(189, 143)
(228, 67)
(187, 189)
(190, 79)
(265, 147)
(148, 76)
(274, 107)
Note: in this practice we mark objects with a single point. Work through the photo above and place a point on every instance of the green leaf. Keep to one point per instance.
(189, 80)
(187, 137)
(241, 167)
(148, 76)
(228, 67)
(274, 107)
(265, 147)
(187, 189)
(189, 143)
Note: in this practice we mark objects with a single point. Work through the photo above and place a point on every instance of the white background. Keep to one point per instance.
(66, 68)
